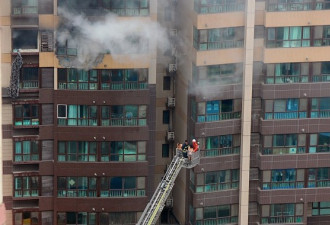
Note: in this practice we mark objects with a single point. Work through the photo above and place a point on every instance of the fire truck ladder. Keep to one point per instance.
(158, 200)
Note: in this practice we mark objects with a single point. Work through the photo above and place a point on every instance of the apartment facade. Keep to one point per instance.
(78, 141)
(257, 80)
(248, 79)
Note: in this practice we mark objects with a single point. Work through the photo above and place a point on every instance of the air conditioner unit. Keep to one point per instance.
(170, 102)
(172, 68)
(170, 136)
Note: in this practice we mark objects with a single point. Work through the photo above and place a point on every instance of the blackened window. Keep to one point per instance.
(25, 39)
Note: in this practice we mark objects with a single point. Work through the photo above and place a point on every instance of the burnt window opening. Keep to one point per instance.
(25, 39)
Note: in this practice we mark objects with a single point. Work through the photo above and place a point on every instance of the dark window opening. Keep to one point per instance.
(166, 117)
(167, 83)
(165, 150)
(25, 39)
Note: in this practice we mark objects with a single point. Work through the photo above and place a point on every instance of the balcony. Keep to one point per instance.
(220, 151)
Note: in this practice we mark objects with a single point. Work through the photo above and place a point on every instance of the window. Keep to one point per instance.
(282, 213)
(74, 79)
(62, 111)
(319, 143)
(287, 73)
(26, 151)
(291, 108)
(29, 78)
(122, 186)
(166, 117)
(218, 74)
(104, 218)
(279, 144)
(76, 151)
(321, 71)
(77, 115)
(283, 179)
(24, 7)
(126, 151)
(322, 35)
(319, 177)
(222, 145)
(26, 186)
(25, 39)
(76, 218)
(116, 79)
(320, 208)
(320, 108)
(27, 218)
(288, 37)
(220, 38)
(67, 48)
(218, 110)
(26, 115)
(124, 115)
(124, 79)
(216, 6)
(216, 181)
(165, 150)
(76, 187)
(221, 214)
(167, 83)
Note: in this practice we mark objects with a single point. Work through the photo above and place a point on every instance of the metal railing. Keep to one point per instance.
(231, 7)
(220, 151)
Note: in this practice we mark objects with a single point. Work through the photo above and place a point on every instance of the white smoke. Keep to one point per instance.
(112, 34)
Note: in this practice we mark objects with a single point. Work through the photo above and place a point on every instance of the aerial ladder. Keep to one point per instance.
(156, 204)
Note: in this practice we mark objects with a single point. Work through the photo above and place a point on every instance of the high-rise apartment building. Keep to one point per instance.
(89, 125)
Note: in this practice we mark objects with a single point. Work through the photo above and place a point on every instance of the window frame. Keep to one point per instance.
(33, 121)
(21, 141)
(29, 189)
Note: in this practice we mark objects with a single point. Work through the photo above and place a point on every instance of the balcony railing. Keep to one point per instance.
(221, 8)
(221, 45)
(26, 193)
(29, 84)
(123, 193)
(220, 151)
(282, 219)
(76, 193)
(285, 115)
(320, 183)
(320, 114)
(27, 122)
(273, 7)
(321, 78)
(124, 86)
(218, 117)
(282, 185)
(283, 150)
(286, 79)
(216, 187)
(77, 122)
(223, 220)
(124, 122)
(26, 158)
(26, 10)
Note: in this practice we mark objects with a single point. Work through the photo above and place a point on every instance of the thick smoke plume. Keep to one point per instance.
(113, 35)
